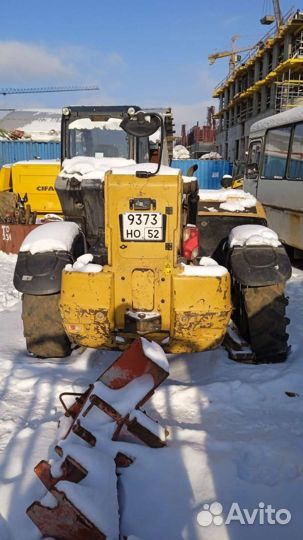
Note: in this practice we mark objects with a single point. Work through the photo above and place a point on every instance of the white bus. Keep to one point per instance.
(274, 173)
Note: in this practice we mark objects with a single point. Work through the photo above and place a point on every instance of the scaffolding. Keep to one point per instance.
(289, 88)
(280, 83)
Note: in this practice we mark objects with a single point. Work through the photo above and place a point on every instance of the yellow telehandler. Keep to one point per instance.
(142, 253)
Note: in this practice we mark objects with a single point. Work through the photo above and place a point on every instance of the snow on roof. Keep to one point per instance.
(232, 200)
(44, 124)
(111, 124)
(54, 236)
(55, 162)
(180, 152)
(276, 120)
(85, 168)
(211, 155)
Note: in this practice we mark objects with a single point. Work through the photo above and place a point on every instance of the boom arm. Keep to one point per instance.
(213, 57)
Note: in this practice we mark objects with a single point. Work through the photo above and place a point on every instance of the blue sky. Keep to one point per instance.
(151, 53)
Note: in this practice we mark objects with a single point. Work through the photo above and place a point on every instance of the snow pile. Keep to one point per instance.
(236, 436)
(155, 353)
(124, 399)
(207, 261)
(211, 155)
(112, 124)
(231, 200)
(207, 268)
(84, 264)
(252, 235)
(8, 294)
(180, 152)
(53, 236)
(90, 168)
(96, 494)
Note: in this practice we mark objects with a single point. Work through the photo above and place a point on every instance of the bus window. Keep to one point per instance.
(254, 152)
(275, 153)
(295, 168)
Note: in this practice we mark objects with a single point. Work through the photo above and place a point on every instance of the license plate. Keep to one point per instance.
(142, 226)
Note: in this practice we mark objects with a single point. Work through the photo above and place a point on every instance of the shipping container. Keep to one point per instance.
(209, 173)
(13, 151)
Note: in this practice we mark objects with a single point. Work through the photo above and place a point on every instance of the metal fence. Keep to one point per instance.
(209, 173)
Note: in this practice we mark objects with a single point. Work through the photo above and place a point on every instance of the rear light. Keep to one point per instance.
(190, 245)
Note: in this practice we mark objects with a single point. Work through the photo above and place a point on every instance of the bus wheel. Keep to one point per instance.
(43, 329)
(260, 316)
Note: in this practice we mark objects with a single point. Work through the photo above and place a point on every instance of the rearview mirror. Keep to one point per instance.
(141, 124)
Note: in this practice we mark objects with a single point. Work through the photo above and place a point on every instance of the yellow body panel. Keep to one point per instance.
(201, 309)
(37, 180)
(144, 278)
(87, 305)
(5, 178)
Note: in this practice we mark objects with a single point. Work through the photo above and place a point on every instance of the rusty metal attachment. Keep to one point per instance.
(64, 521)
(95, 420)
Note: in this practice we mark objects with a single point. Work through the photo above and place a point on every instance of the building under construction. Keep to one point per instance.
(266, 81)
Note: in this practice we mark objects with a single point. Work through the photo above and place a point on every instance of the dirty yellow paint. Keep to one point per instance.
(193, 311)
(143, 289)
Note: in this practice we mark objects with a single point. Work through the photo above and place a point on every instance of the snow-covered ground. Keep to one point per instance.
(235, 436)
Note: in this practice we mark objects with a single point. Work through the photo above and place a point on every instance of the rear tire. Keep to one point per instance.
(260, 316)
(43, 328)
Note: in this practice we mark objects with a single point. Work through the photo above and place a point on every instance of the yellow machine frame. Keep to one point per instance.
(143, 290)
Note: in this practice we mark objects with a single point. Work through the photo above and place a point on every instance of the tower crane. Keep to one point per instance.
(6, 91)
(233, 54)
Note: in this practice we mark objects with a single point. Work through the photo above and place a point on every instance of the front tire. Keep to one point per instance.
(260, 317)
(43, 328)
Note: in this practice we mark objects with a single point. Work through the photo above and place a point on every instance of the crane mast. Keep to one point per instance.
(277, 12)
